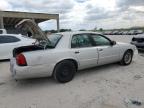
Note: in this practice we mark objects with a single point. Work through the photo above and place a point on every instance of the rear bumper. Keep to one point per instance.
(25, 72)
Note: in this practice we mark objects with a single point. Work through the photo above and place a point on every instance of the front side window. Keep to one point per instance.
(80, 41)
(100, 40)
(8, 39)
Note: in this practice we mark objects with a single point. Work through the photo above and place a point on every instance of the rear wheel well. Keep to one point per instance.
(71, 60)
(75, 63)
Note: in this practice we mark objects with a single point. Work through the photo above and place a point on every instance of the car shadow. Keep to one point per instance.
(35, 82)
(49, 81)
(97, 69)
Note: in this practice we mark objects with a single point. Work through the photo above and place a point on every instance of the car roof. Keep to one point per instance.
(139, 36)
(20, 36)
(77, 32)
(10, 35)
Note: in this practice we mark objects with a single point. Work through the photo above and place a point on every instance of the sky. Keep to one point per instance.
(83, 14)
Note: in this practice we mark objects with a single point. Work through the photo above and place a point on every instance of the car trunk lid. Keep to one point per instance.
(30, 26)
(29, 48)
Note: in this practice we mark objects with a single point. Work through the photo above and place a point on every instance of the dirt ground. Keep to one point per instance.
(109, 86)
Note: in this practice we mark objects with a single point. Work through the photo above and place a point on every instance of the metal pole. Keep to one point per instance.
(58, 25)
(1, 23)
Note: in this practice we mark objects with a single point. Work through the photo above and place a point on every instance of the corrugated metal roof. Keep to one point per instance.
(13, 17)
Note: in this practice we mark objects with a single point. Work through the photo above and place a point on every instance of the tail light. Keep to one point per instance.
(20, 59)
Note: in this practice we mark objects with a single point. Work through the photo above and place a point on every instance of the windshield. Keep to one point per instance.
(53, 40)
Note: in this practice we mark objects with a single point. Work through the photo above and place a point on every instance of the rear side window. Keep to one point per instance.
(8, 39)
(80, 41)
(54, 39)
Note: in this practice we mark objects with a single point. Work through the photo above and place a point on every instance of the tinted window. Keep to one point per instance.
(100, 40)
(54, 38)
(53, 41)
(80, 40)
(8, 39)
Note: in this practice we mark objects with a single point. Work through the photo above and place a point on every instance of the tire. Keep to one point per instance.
(64, 71)
(127, 58)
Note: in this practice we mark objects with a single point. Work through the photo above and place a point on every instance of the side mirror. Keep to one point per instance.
(113, 43)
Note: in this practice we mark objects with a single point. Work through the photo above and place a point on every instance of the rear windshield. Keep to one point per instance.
(53, 41)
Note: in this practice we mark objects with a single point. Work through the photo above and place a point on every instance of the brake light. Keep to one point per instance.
(20, 59)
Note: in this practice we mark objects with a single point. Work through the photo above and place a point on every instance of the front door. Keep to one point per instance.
(107, 52)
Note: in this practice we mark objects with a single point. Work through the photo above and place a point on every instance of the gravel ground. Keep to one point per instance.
(109, 86)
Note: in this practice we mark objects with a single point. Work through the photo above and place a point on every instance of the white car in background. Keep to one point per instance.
(3, 31)
(62, 54)
(10, 41)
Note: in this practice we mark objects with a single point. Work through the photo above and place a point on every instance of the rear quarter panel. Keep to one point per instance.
(47, 58)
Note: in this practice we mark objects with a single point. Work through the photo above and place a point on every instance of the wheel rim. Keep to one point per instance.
(128, 57)
(65, 71)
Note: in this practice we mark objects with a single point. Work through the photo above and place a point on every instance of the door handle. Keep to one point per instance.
(77, 52)
(100, 49)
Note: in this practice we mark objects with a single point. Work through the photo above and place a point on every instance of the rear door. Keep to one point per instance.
(7, 44)
(84, 51)
(108, 53)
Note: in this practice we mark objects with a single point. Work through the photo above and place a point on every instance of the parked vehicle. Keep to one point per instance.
(135, 32)
(62, 54)
(120, 33)
(138, 41)
(138, 31)
(10, 41)
(132, 32)
(125, 33)
(107, 33)
(115, 32)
